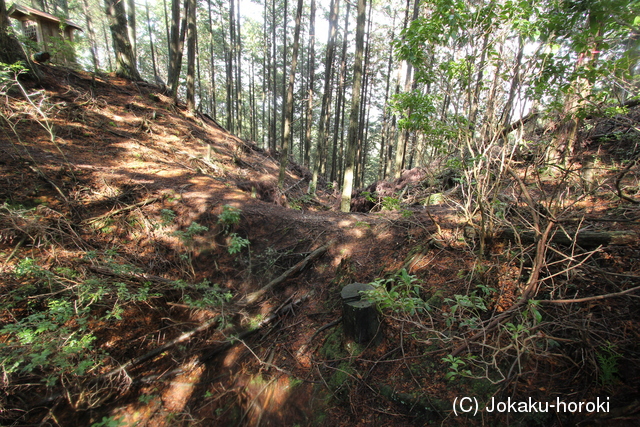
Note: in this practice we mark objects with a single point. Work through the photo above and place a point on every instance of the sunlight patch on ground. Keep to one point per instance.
(161, 408)
(266, 399)
(177, 396)
(232, 356)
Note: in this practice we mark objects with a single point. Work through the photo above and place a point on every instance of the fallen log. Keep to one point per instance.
(585, 239)
(255, 296)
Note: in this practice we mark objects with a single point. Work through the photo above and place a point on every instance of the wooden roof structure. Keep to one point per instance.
(22, 13)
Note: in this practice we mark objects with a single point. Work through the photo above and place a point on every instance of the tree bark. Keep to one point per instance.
(156, 78)
(125, 59)
(352, 138)
(338, 120)
(131, 27)
(321, 151)
(585, 239)
(177, 44)
(91, 34)
(312, 70)
(191, 54)
(10, 49)
(287, 136)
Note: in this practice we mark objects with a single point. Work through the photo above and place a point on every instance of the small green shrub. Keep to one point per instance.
(229, 217)
(400, 293)
(237, 243)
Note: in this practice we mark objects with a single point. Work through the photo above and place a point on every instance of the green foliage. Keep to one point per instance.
(465, 308)
(208, 295)
(236, 243)
(608, 363)
(400, 294)
(390, 203)
(193, 230)
(370, 197)
(46, 341)
(9, 75)
(298, 203)
(457, 367)
(167, 217)
(229, 217)
(109, 422)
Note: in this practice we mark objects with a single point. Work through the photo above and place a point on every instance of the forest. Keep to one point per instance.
(190, 188)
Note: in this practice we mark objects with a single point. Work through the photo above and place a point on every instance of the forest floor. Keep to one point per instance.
(128, 222)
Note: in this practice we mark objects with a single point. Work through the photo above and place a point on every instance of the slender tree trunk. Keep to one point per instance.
(238, 79)
(212, 96)
(274, 92)
(402, 137)
(167, 28)
(125, 60)
(92, 35)
(283, 89)
(385, 118)
(337, 154)
(352, 138)
(326, 97)
(178, 30)
(312, 70)
(266, 72)
(191, 54)
(364, 118)
(106, 44)
(284, 157)
(131, 27)
(153, 51)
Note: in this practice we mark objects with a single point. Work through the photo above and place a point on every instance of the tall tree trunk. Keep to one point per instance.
(212, 95)
(364, 118)
(106, 43)
(385, 117)
(238, 79)
(167, 28)
(284, 68)
(266, 72)
(326, 97)
(125, 60)
(284, 157)
(131, 27)
(229, 86)
(352, 138)
(178, 30)
(10, 49)
(402, 137)
(312, 71)
(92, 35)
(191, 54)
(153, 50)
(336, 156)
(274, 88)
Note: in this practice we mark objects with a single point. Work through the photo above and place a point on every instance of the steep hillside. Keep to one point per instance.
(152, 273)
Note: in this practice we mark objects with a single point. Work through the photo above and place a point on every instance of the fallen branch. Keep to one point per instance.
(585, 239)
(12, 254)
(619, 181)
(184, 337)
(255, 296)
(118, 211)
(53, 184)
(594, 298)
(231, 341)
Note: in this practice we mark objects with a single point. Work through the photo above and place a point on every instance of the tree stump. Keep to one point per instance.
(359, 315)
